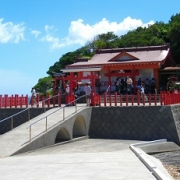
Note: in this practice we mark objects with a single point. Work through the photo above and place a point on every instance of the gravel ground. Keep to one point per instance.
(171, 161)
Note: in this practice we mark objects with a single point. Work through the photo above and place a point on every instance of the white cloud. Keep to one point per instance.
(10, 32)
(48, 28)
(35, 33)
(80, 33)
(54, 42)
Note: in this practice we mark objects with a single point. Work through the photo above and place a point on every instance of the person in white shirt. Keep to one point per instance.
(129, 85)
(87, 90)
(143, 91)
(67, 89)
(33, 96)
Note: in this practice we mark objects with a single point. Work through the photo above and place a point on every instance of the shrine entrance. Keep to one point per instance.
(75, 78)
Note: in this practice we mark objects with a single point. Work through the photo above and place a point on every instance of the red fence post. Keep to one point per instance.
(104, 98)
(132, 99)
(150, 99)
(161, 97)
(93, 99)
(155, 99)
(43, 101)
(143, 99)
(110, 99)
(8, 101)
(115, 98)
(126, 99)
(165, 99)
(5, 100)
(15, 101)
(37, 100)
(99, 100)
(168, 101)
(11, 101)
(138, 97)
(120, 99)
(21, 100)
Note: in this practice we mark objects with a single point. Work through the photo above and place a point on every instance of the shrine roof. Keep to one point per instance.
(148, 54)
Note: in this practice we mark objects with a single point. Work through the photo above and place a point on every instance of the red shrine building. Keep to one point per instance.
(108, 64)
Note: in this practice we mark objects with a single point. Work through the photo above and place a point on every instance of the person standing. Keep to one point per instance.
(67, 89)
(153, 86)
(143, 95)
(129, 83)
(117, 83)
(87, 90)
(147, 85)
(139, 84)
(33, 96)
(67, 97)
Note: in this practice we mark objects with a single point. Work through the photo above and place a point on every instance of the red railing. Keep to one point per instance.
(164, 98)
(13, 101)
(16, 101)
(107, 99)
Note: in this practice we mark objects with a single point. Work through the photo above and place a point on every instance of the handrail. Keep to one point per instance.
(56, 110)
(26, 109)
(63, 107)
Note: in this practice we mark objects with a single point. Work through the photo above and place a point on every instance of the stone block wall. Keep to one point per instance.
(19, 119)
(136, 123)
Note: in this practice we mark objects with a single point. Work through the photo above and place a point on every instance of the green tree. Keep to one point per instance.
(174, 37)
(69, 58)
(105, 41)
(43, 85)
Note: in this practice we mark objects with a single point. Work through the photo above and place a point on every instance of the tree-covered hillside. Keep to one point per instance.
(157, 34)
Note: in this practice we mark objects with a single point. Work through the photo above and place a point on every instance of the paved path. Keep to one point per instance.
(87, 159)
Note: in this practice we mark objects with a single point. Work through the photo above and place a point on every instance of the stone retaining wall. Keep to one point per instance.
(18, 119)
(136, 123)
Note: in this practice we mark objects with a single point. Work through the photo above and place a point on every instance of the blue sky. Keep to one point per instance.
(34, 34)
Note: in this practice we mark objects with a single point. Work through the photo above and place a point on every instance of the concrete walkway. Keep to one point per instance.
(86, 159)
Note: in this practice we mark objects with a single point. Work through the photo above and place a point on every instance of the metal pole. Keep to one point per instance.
(63, 113)
(46, 123)
(75, 106)
(11, 123)
(30, 133)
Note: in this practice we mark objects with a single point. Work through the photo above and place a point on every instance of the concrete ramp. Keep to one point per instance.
(18, 140)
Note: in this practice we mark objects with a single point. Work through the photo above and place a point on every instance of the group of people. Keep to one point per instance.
(123, 84)
(87, 90)
(149, 85)
(126, 85)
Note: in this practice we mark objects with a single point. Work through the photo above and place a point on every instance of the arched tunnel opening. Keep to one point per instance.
(79, 128)
(62, 136)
